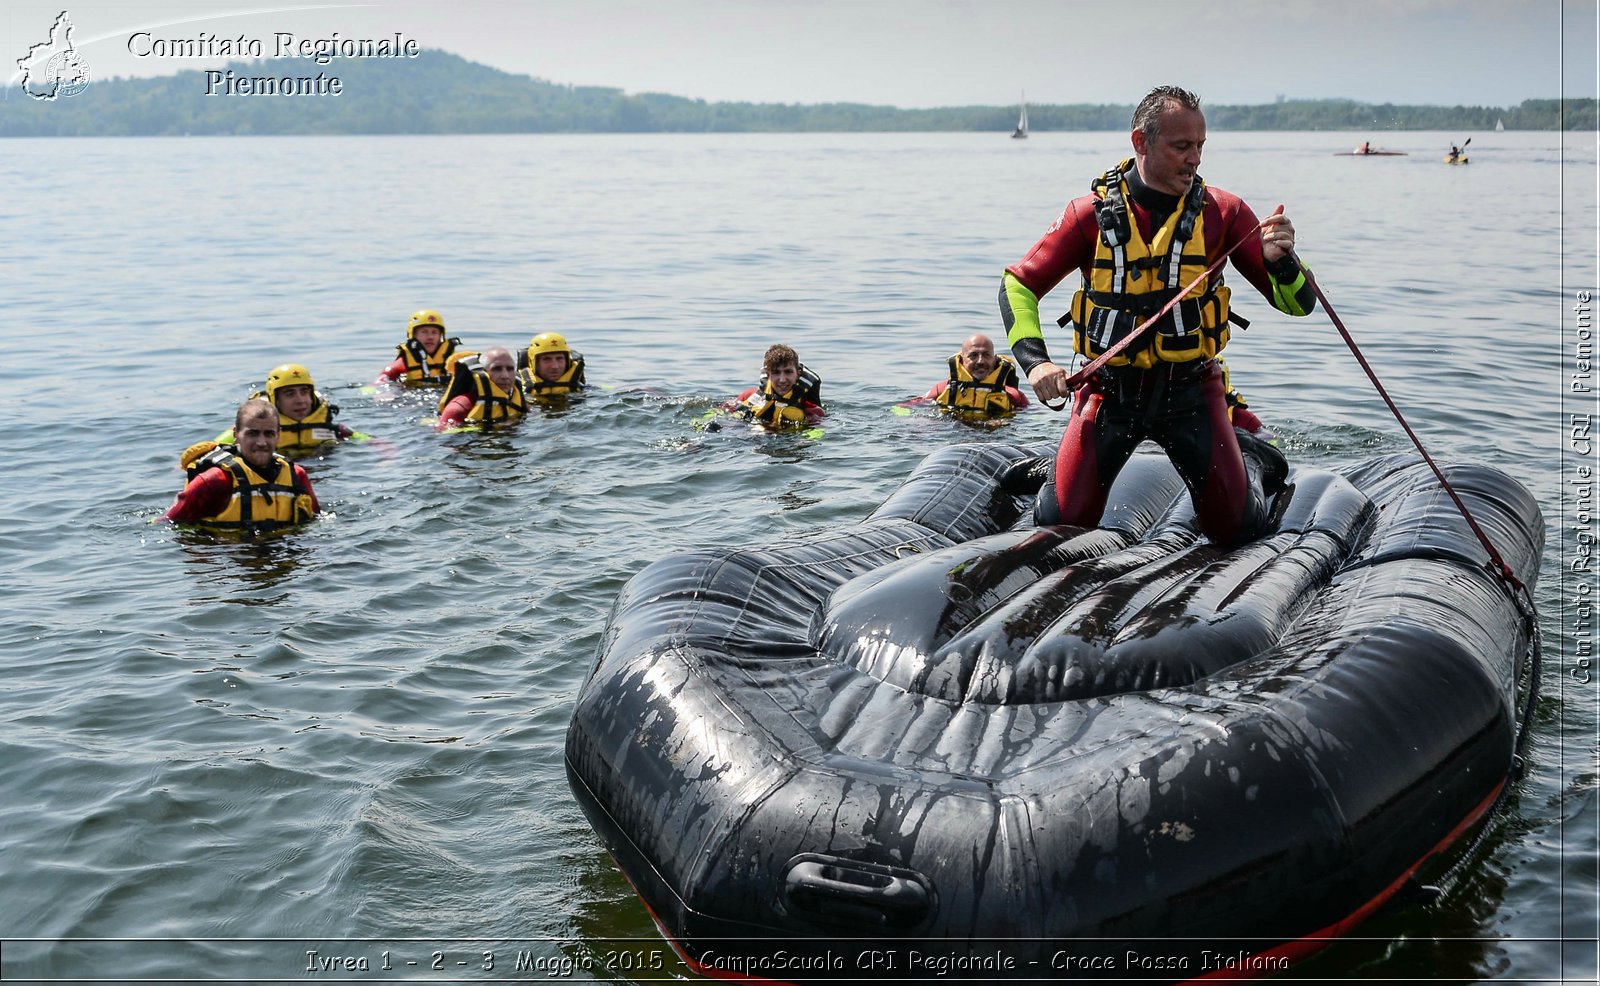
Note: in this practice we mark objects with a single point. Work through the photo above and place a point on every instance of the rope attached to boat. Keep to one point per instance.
(1521, 597)
(1496, 563)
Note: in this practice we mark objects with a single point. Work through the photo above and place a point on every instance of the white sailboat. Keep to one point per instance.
(1022, 121)
(1499, 126)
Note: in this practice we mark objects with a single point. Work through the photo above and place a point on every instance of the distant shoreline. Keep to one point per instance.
(440, 93)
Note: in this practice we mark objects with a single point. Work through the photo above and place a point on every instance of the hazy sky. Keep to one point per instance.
(918, 53)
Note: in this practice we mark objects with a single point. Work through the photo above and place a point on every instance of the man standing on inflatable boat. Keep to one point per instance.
(1148, 228)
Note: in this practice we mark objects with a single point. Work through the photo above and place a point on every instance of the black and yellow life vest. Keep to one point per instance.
(258, 504)
(986, 398)
(490, 404)
(423, 370)
(782, 410)
(305, 434)
(777, 410)
(1130, 280)
(536, 386)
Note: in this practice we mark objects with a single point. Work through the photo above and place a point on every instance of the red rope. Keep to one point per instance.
(1496, 563)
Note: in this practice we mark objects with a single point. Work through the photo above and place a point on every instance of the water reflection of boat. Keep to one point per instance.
(955, 733)
(1022, 121)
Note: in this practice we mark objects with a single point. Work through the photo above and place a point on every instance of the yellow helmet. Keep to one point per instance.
(547, 342)
(425, 317)
(288, 375)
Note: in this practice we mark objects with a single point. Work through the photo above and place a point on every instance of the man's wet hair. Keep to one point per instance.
(253, 408)
(1147, 116)
(777, 355)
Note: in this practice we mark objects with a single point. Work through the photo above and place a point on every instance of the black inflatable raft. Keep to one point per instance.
(947, 742)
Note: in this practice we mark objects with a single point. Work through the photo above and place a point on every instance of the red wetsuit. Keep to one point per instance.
(207, 495)
(455, 412)
(394, 371)
(1180, 406)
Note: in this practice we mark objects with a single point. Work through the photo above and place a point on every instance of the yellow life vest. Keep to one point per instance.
(775, 409)
(424, 370)
(536, 386)
(1130, 280)
(317, 428)
(258, 504)
(490, 404)
(986, 398)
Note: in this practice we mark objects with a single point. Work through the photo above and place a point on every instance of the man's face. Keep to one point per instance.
(294, 400)
(1169, 161)
(430, 336)
(502, 371)
(551, 366)
(977, 355)
(783, 377)
(257, 439)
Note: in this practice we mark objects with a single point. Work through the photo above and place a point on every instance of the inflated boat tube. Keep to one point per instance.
(947, 734)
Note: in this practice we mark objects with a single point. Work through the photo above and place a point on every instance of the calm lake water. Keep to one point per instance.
(216, 758)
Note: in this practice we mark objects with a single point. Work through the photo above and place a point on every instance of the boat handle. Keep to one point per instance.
(841, 891)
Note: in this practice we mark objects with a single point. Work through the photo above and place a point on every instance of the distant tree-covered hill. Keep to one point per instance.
(438, 92)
